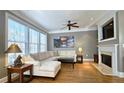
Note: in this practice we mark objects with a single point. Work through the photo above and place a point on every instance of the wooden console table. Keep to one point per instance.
(96, 58)
(20, 70)
(79, 58)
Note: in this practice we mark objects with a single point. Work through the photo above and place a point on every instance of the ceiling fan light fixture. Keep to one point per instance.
(69, 25)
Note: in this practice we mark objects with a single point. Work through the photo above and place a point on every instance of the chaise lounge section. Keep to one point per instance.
(46, 64)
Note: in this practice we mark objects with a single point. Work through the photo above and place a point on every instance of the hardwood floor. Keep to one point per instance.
(82, 73)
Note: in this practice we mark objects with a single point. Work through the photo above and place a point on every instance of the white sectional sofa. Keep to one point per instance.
(67, 54)
(46, 63)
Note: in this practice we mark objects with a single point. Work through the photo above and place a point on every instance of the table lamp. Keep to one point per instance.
(14, 48)
(80, 50)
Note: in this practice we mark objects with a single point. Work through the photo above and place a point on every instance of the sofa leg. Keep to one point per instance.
(53, 78)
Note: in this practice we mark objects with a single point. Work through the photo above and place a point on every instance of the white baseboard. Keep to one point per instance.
(88, 59)
(4, 79)
(121, 74)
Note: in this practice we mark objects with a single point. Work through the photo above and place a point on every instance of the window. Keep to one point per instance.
(33, 41)
(16, 34)
(29, 40)
(43, 42)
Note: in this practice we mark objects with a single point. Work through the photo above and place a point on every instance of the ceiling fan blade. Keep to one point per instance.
(74, 23)
(76, 26)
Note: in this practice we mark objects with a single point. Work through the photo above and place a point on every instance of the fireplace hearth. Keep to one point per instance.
(108, 59)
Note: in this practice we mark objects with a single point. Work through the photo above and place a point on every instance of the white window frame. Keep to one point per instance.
(34, 43)
(21, 21)
(43, 44)
(15, 41)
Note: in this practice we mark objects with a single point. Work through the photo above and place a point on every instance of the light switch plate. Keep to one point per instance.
(123, 45)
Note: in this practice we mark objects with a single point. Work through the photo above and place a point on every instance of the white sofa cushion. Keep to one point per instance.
(66, 53)
(35, 56)
(51, 53)
(50, 59)
(43, 55)
(35, 63)
(51, 66)
(27, 58)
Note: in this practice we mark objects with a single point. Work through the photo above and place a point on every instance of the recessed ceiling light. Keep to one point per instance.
(91, 18)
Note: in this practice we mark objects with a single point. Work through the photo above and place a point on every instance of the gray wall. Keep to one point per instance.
(2, 44)
(87, 40)
(121, 40)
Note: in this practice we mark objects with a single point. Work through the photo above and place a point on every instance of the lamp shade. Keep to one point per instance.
(13, 48)
(80, 49)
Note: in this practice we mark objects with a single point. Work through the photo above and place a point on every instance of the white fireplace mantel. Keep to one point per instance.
(111, 48)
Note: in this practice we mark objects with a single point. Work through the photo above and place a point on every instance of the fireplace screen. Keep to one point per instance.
(106, 59)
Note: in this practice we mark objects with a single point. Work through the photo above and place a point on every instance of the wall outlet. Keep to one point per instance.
(123, 45)
(87, 55)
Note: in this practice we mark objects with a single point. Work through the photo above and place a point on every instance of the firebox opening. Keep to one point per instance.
(106, 59)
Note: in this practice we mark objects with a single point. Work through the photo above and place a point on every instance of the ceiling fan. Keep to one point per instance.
(69, 25)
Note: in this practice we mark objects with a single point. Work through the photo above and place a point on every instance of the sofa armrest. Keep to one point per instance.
(75, 59)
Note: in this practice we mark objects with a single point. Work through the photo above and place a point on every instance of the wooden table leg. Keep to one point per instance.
(9, 77)
(21, 77)
(82, 59)
(31, 74)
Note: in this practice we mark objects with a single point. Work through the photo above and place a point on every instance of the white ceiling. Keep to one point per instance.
(54, 20)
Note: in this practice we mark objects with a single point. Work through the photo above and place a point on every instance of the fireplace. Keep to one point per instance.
(106, 59)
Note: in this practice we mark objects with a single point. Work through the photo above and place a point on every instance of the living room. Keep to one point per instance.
(52, 43)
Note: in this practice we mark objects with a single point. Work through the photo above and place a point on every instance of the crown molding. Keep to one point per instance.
(23, 17)
(74, 30)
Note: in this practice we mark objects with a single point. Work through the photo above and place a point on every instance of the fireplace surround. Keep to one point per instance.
(110, 50)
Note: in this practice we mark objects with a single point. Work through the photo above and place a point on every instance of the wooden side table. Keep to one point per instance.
(96, 58)
(20, 70)
(79, 58)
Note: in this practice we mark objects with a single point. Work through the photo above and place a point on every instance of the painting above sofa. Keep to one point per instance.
(64, 42)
